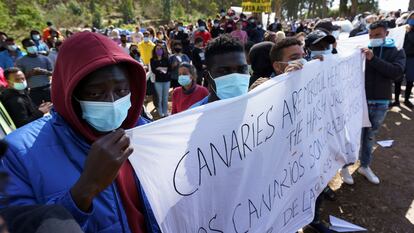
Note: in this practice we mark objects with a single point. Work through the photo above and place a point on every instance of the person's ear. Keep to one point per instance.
(211, 83)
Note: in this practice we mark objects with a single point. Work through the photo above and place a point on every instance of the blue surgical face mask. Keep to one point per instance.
(32, 49)
(106, 116)
(410, 22)
(322, 52)
(146, 39)
(232, 85)
(12, 47)
(367, 26)
(184, 80)
(376, 42)
(36, 37)
(20, 86)
(202, 28)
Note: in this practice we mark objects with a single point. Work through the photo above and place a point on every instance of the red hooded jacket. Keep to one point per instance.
(80, 55)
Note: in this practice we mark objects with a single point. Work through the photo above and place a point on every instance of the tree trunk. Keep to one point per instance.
(354, 7)
(310, 9)
(411, 5)
(343, 8)
(325, 8)
(278, 8)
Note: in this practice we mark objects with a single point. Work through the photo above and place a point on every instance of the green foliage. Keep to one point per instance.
(75, 8)
(127, 10)
(5, 19)
(27, 17)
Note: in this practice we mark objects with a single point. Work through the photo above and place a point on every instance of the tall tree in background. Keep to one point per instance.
(166, 9)
(343, 8)
(278, 4)
(127, 10)
(354, 7)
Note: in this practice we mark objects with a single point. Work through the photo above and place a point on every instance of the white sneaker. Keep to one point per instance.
(369, 174)
(346, 176)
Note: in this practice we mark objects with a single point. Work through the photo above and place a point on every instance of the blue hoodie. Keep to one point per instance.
(46, 157)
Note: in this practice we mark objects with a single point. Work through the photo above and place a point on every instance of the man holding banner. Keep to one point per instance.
(384, 64)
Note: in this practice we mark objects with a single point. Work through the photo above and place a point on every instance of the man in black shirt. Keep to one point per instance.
(198, 59)
(17, 101)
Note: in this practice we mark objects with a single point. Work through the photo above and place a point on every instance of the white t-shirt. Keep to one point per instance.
(126, 48)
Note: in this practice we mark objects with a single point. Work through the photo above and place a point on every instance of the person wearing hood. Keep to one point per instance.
(409, 68)
(78, 156)
(9, 56)
(385, 63)
(42, 48)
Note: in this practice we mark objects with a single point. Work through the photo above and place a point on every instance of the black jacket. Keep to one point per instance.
(387, 66)
(409, 44)
(198, 59)
(20, 107)
(160, 76)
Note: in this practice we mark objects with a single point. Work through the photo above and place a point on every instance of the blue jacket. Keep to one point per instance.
(6, 61)
(44, 160)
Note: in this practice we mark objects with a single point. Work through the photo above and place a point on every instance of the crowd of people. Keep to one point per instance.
(73, 96)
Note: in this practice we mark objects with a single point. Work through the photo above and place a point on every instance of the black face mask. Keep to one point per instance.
(123, 41)
(177, 50)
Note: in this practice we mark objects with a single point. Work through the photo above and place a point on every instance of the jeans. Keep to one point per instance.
(377, 113)
(162, 89)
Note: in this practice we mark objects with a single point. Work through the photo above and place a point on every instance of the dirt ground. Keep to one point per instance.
(389, 206)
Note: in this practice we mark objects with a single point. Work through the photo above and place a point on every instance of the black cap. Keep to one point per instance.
(48, 23)
(326, 25)
(317, 36)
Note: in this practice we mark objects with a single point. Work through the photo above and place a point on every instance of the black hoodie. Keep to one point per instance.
(20, 107)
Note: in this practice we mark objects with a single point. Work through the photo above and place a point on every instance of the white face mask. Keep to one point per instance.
(322, 52)
(376, 42)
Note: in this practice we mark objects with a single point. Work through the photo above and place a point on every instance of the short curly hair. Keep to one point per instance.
(222, 45)
(276, 53)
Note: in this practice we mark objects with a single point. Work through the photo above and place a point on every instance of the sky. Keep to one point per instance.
(389, 5)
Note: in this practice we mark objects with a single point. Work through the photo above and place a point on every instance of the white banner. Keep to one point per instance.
(349, 44)
(257, 162)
